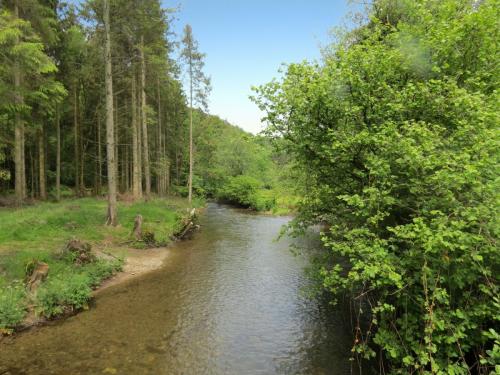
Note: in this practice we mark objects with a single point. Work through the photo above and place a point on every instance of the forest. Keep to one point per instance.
(57, 114)
(389, 143)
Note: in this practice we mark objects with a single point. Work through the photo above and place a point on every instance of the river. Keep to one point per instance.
(228, 301)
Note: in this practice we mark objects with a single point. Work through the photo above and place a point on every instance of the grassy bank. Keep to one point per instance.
(38, 234)
(247, 191)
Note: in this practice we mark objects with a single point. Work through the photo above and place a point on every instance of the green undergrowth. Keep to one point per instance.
(68, 286)
(247, 191)
(38, 234)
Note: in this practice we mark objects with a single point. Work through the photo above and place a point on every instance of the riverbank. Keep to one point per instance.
(39, 235)
(229, 301)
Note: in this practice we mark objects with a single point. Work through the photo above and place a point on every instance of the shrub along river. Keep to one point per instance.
(228, 301)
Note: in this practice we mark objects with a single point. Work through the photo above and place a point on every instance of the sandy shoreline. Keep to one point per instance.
(137, 262)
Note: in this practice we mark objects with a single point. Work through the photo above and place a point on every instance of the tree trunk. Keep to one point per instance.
(41, 166)
(126, 167)
(145, 145)
(139, 143)
(58, 156)
(99, 156)
(191, 161)
(81, 149)
(159, 159)
(117, 143)
(32, 174)
(136, 175)
(23, 160)
(19, 129)
(110, 139)
(76, 143)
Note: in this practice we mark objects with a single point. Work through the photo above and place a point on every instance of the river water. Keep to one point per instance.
(228, 301)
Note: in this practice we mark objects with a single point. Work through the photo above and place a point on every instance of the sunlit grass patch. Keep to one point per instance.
(39, 233)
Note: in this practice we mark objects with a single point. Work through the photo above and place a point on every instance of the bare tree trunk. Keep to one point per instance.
(136, 175)
(159, 159)
(19, 130)
(191, 161)
(58, 156)
(32, 174)
(76, 143)
(110, 139)
(41, 166)
(178, 151)
(81, 149)
(139, 143)
(99, 156)
(23, 160)
(145, 145)
(126, 168)
(117, 143)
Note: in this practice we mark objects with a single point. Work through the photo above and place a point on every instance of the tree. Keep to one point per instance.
(26, 72)
(110, 136)
(199, 88)
(57, 144)
(144, 123)
(396, 133)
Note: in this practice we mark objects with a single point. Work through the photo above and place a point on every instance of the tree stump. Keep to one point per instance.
(137, 231)
(81, 252)
(36, 275)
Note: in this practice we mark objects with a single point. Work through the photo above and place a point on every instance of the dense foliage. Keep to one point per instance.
(233, 165)
(396, 137)
(53, 136)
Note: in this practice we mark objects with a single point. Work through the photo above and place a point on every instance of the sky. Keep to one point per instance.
(246, 42)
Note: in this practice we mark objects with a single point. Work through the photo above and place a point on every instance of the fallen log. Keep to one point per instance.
(187, 225)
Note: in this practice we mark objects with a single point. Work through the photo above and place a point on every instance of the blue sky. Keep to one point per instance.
(247, 41)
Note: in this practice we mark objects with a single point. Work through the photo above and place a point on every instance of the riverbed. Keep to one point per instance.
(230, 300)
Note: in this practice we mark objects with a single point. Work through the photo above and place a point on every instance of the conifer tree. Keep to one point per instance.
(110, 136)
(199, 88)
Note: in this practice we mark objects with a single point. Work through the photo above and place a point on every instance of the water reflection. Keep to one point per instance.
(227, 302)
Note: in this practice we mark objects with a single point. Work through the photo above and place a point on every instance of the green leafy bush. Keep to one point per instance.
(263, 200)
(66, 192)
(63, 292)
(181, 191)
(247, 192)
(12, 306)
(239, 190)
(397, 135)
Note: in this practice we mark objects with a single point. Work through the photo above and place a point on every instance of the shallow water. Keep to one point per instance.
(228, 301)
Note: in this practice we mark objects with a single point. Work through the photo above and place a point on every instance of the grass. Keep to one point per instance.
(39, 232)
(48, 226)
(285, 204)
